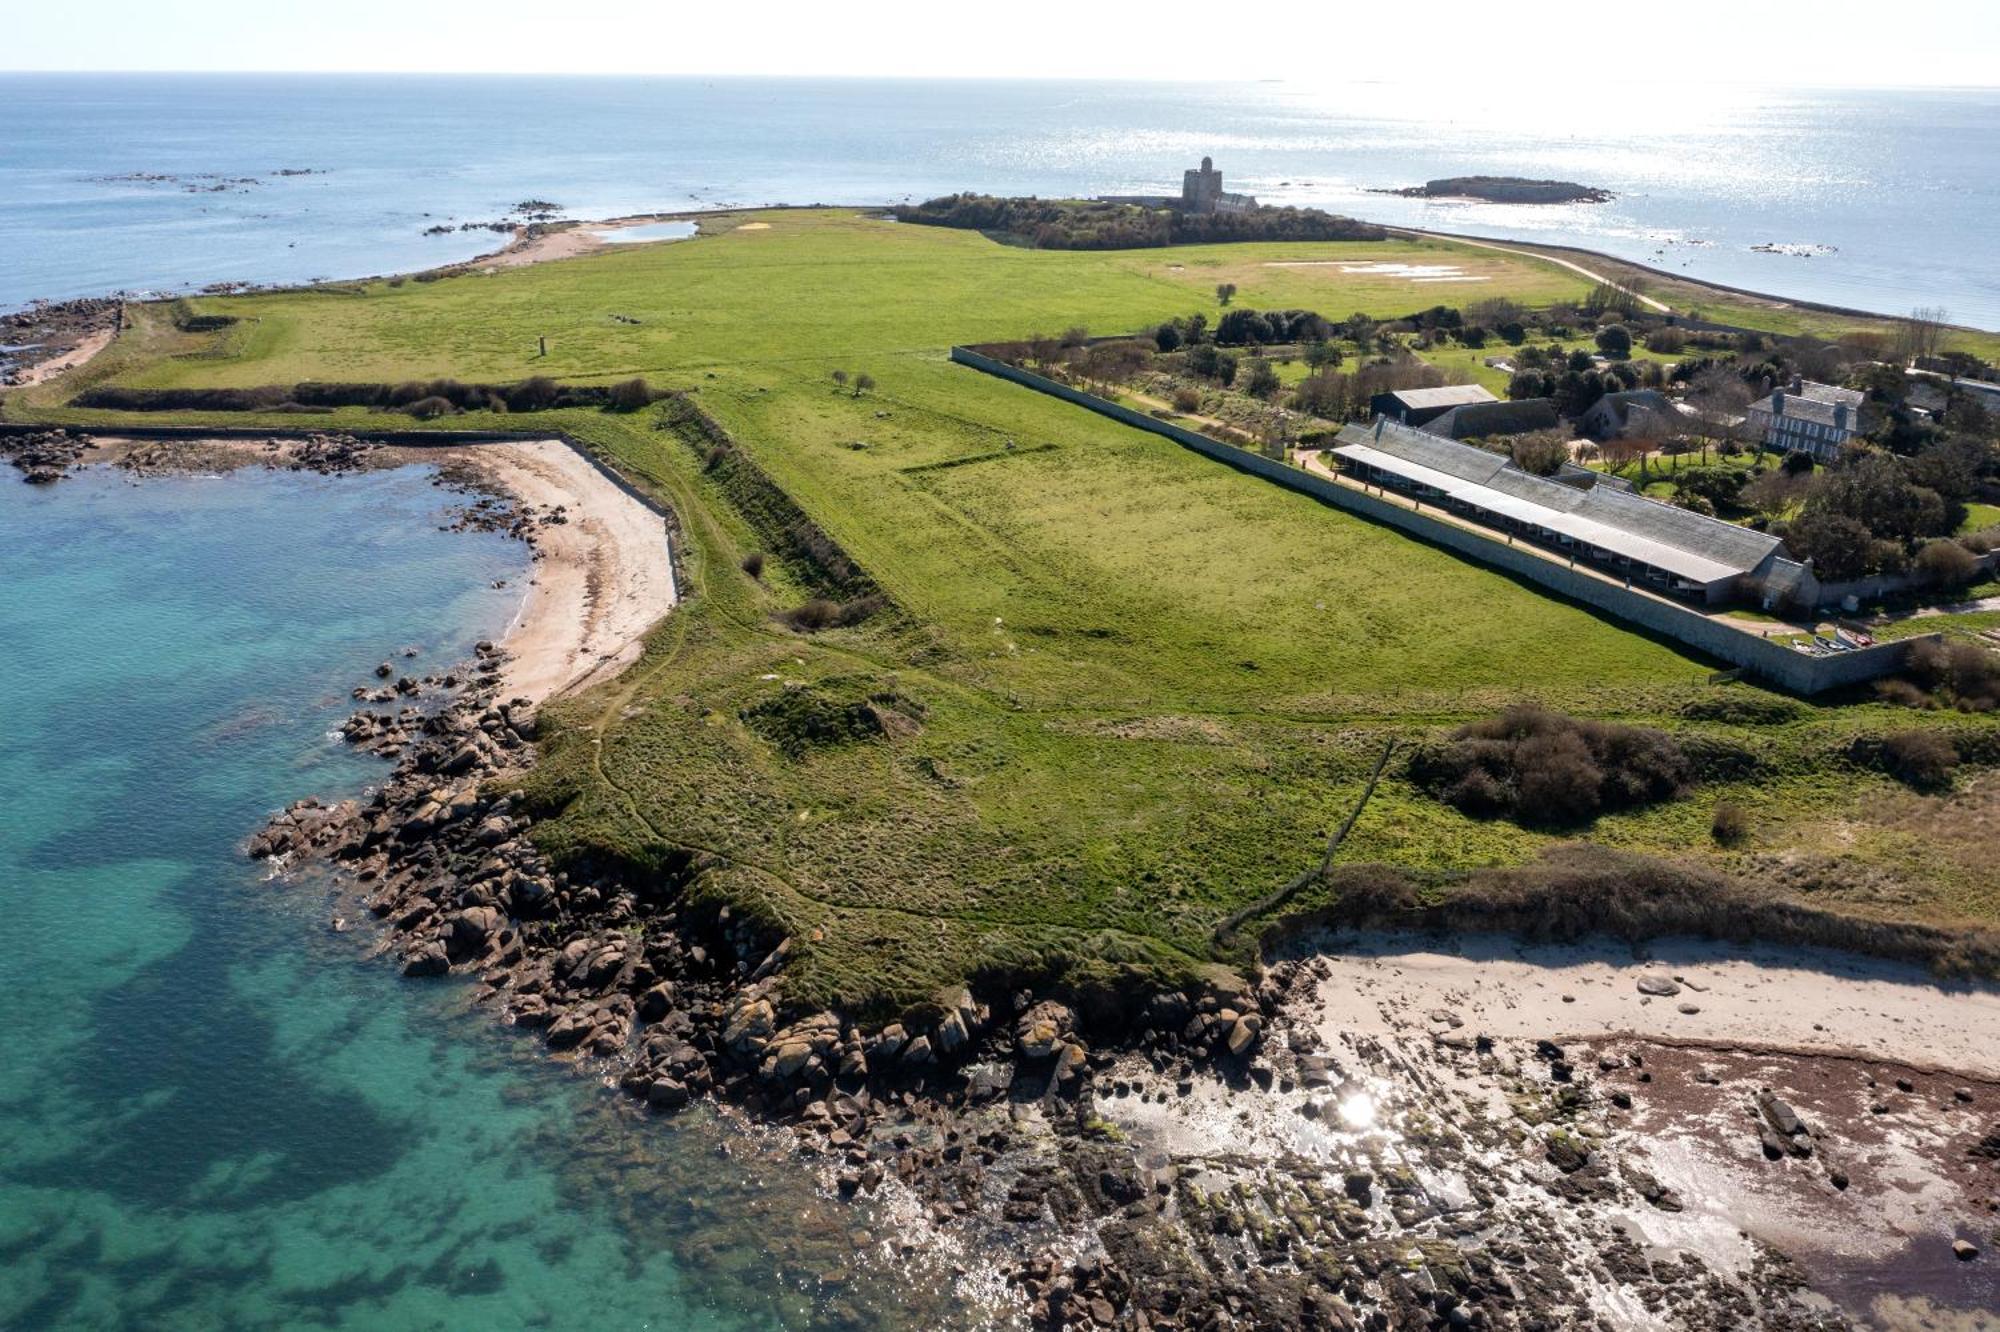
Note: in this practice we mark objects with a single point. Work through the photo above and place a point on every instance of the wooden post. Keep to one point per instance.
(544, 342)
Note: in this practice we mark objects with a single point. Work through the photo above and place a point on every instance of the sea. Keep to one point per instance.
(1875, 200)
(216, 1109)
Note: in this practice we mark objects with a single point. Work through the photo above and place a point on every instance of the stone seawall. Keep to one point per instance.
(1773, 663)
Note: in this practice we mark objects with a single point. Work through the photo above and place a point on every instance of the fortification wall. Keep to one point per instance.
(1772, 662)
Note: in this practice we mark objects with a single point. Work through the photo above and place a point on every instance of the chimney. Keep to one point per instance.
(1840, 417)
(1778, 403)
(1798, 384)
(1378, 426)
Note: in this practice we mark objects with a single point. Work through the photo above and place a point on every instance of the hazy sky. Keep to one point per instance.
(1825, 42)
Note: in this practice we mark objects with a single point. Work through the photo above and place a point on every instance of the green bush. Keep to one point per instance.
(1540, 767)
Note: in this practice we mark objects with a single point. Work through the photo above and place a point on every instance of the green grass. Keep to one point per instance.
(1979, 517)
(1147, 685)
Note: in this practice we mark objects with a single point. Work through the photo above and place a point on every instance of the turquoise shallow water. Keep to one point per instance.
(215, 1111)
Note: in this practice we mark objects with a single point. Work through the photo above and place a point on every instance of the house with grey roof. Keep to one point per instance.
(1615, 413)
(1488, 420)
(1808, 417)
(1416, 406)
(1624, 534)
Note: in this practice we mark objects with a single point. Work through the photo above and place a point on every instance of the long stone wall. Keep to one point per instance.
(1772, 662)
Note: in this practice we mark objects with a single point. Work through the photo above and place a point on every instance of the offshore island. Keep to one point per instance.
(1215, 766)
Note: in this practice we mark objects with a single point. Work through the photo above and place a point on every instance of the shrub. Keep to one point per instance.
(1923, 759)
(814, 615)
(535, 394)
(1729, 825)
(428, 409)
(1615, 341)
(1537, 766)
(753, 564)
(1542, 452)
(1187, 400)
(1945, 563)
(1965, 676)
(631, 395)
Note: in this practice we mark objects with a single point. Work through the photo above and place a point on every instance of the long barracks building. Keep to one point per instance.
(1593, 519)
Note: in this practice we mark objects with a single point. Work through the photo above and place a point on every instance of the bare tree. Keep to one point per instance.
(1921, 335)
(840, 379)
(1225, 292)
(862, 383)
(1719, 398)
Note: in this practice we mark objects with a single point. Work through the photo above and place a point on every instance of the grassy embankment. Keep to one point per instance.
(1125, 690)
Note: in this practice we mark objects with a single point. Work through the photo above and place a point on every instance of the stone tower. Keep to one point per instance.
(1201, 189)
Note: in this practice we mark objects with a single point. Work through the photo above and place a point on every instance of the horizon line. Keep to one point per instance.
(837, 77)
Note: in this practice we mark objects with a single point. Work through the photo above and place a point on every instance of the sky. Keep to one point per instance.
(1839, 43)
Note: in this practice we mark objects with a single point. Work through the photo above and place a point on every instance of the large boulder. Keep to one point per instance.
(426, 959)
(750, 1026)
(1042, 1030)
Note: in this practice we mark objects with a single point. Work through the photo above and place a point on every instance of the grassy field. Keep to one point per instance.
(1120, 690)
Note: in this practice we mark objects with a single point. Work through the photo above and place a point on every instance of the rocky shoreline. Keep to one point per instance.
(48, 337)
(1208, 1159)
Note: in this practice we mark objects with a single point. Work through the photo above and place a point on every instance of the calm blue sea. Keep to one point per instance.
(1881, 200)
(216, 1112)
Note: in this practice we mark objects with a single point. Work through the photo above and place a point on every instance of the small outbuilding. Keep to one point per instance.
(1413, 407)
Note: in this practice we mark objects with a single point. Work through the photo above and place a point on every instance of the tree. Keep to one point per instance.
(1322, 355)
(1838, 546)
(1225, 292)
(1717, 487)
(1615, 341)
(1719, 398)
(862, 383)
(1167, 337)
(840, 377)
(1622, 451)
(1263, 381)
(1921, 335)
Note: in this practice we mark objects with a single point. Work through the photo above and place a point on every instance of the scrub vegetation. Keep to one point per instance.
(968, 682)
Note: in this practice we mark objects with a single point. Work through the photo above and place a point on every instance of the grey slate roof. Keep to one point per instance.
(1684, 543)
(1451, 395)
(1473, 419)
(1806, 409)
(1814, 401)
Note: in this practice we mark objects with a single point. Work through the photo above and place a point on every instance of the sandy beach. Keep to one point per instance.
(1754, 997)
(602, 579)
